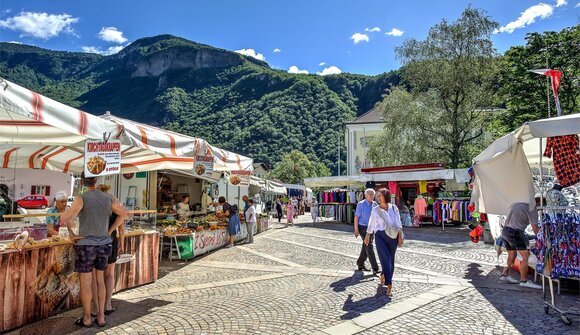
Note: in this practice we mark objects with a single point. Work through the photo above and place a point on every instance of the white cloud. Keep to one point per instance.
(251, 53)
(330, 70)
(106, 52)
(373, 30)
(40, 25)
(112, 34)
(358, 37)
(322, 64)
(277, 50)
(295, 69)
(528, 17)
(14, 42)
(395, 32)
(577, 5)
(560, 3)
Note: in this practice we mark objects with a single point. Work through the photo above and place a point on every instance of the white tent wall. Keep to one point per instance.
(502, 170)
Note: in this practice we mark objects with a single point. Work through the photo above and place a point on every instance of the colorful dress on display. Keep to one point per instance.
(565, 152)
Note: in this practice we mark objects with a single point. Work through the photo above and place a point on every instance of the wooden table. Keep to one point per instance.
(20, 271)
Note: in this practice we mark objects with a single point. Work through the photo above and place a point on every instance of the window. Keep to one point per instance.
(365, 141)
(39, 198)
(40, 189)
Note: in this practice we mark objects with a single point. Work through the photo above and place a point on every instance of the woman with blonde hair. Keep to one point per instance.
(385, 224)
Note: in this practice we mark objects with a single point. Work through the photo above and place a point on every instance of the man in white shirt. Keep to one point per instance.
(251, 221)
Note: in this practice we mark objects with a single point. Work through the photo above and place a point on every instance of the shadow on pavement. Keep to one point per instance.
(64, 323)
(355, 309)
(357, 278)
(524, 308)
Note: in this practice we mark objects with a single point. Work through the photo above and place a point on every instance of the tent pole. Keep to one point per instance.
(541, 176)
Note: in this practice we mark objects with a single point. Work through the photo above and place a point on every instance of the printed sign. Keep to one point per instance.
(102, 158)
(208, 240)
(240, 178)
(203, 166)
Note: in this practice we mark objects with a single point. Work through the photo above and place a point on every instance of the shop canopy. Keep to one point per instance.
(38, 132)
(459, 175)
(268, 185)
(502, 171)
(336, 181)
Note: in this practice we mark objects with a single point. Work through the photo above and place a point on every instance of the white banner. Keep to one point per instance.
(203, 166)
(102, 158)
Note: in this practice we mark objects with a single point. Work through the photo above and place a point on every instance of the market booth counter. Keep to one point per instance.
(38, 280)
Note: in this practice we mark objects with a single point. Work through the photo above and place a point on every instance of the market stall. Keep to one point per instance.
(37, 280)
(40, 133)
(503, 176)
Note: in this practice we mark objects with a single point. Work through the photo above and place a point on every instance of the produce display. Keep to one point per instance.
(172, 230)
(30, 242)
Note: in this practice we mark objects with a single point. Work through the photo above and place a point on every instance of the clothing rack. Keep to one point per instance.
(546, 243)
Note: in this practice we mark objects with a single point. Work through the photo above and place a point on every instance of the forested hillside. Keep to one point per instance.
(235, 102)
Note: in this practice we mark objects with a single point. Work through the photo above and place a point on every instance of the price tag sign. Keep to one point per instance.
(203, 166)
(102, 158)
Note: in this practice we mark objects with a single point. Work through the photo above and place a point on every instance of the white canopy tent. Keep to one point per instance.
(38, 132)
(335, 181)
(502, 171)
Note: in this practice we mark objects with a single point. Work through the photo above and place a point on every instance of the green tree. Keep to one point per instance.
(296, 166)
(450, 75)
(523, 93)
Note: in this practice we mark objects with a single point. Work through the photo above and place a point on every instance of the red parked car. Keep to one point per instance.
(33, 201)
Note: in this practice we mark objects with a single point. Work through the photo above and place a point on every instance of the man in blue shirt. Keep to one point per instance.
(361, 221)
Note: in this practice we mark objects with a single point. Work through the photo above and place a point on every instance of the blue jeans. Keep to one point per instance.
(386, 248)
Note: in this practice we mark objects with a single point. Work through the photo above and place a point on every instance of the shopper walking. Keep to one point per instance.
(361, 220)
(289, 213)
(93, 244)
(279, 211)
(250, 220)
(53, 222)
(117, 246)
(314, 210)
(295, 204)
(516, 241)
(231, 212)
(385, 224)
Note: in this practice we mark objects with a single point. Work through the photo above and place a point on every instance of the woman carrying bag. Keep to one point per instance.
(385, 224)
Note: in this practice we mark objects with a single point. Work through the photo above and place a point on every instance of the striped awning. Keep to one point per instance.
(40, 133)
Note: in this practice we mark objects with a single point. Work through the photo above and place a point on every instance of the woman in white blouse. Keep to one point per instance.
(385, 223)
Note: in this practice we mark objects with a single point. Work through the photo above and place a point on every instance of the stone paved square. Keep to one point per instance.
(301, 280)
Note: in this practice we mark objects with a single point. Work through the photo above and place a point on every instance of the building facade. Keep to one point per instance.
(358, 135)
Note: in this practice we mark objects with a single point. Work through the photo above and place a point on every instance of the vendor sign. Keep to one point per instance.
(240, 178)
(102, 158)
(203, 166)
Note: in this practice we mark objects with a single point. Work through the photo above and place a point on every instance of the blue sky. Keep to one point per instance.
(307, 33)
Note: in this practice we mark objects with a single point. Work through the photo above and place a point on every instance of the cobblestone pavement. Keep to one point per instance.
(301, 280)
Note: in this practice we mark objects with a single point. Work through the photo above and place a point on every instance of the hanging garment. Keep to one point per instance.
(420, 207)
(565, 152)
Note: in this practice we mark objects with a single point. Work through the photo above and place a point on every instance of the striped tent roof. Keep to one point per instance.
(40, 133)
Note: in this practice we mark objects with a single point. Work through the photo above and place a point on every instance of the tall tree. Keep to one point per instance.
(295, 166)
(450, 76)
(523, 93)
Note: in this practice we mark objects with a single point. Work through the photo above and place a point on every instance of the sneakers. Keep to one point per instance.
(530, 284)
(509, 279)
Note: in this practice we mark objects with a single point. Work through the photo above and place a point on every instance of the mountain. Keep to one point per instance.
(235, 102)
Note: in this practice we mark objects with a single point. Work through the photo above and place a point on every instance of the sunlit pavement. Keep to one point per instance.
(300, 280)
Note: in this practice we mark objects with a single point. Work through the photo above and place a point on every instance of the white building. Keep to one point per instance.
(358, 134)
(23, 182)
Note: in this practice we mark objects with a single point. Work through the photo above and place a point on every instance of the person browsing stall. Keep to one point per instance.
(250, 221)
(93, 243)
(516, 241)
(53, 222)
(361, 220)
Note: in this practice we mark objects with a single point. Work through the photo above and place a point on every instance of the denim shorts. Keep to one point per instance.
(91, 257)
